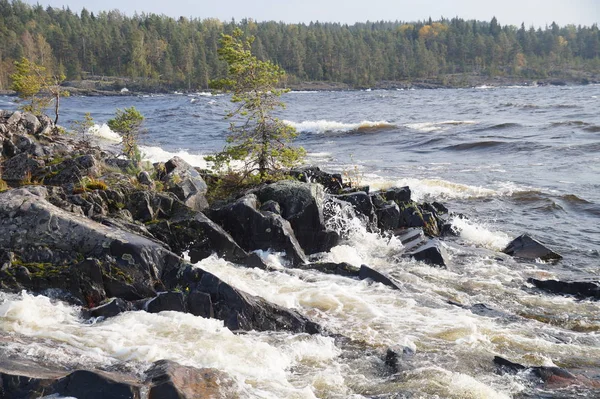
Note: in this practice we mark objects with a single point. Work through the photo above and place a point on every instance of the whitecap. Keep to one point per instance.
(323, 126)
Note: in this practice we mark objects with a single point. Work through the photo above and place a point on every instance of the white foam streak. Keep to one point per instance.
(157, 154)
(105, 133)
(480, 235)
(436, 126)
(255, 359)
(324, 126)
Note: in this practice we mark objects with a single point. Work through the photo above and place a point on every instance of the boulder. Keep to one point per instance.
(166, 301)
(254, 230)
(362, 204)
(433, 253)
(397, 194)
(578, 289)
(129, 265)
(332, 183)
(527, 247)
(237, 309)
(301, 204)
(388, 216)
(366, 272)
(186, 183)
(170, 380)
(341, 269)
(73, 170)
(111, 308)
(26, 379)
(23, 169)
(397, 356)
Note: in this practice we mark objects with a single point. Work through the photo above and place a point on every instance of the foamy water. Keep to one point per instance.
(324, 126)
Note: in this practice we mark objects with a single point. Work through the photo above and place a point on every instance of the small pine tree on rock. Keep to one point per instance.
(258, 140)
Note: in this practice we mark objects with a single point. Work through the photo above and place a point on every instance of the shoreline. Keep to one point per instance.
(101, 88)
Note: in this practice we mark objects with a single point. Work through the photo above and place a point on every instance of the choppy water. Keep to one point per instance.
(514, 159)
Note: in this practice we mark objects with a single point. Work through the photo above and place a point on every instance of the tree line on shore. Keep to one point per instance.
(182, 53)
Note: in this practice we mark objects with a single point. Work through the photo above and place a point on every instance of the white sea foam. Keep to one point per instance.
(437, 189)
(104, 132)
(436, 126)
(480, 234)
(323, 126)
(258, 362)
(158, 154)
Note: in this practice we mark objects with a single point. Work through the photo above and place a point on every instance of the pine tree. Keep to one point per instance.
(258, 139)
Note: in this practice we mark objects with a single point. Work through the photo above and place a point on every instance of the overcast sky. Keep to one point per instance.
(533, 12)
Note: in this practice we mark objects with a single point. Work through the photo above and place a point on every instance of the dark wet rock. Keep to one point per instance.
(578, 289)
(24, 379)
(254, 230)
(237, 309)
(527, 247)
(195, 233)
(362, 204)
(186, 183)
(302, 206)
(411, 237)
(554, 376)
(433, 253)
(200, 304)
(397, 194)
(170, 380)
(332, 183)
(396, 358)
(341, 269)
(111, 308)
(129, 265)
(366, 272)
(240, 310)
(388, 216)
(94, 385)
(484, 310)
(166, 301)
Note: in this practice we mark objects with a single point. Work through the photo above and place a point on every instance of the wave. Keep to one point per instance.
(475, 145)
(325, 126)
(104, 132)
(435, 126)
(480, 234)
(437, 189)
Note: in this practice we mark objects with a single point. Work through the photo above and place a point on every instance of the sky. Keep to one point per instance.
(538, 13)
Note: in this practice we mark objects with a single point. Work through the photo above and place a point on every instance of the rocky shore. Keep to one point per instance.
(82, 225)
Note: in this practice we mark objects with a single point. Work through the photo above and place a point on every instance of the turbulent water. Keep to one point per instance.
(514, 160)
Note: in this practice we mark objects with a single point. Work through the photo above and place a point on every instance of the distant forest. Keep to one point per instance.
(182, 53)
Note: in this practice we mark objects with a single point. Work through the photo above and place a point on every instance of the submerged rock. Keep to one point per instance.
(170, 380)
(554, 377)
(341, 269)
(579, 289)
(366, 272)
(527, 247)
(25, 379)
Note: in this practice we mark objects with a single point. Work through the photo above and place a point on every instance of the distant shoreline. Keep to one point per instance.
(132, 88)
